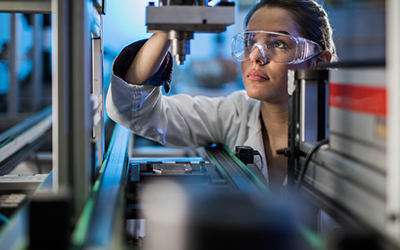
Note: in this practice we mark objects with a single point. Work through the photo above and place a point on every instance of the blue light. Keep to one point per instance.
(124, 23)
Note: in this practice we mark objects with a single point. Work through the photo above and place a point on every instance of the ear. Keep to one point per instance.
(325, 56)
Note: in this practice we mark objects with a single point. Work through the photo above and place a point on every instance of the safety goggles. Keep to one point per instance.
(280, 48)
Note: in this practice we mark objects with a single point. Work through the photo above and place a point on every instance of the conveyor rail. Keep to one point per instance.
(20, 141)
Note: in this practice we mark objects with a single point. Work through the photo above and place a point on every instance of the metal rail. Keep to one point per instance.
(15, 235)
(26, 6)
(235, 172)
(18, 137)
(96, 224)
(20, 141)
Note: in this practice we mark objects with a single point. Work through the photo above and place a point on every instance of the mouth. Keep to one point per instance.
(256, 75)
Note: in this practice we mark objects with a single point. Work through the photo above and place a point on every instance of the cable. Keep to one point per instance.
(262, 162)
(246, 155)
(310, 152)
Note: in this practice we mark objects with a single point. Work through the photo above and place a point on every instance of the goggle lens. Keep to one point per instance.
(277, 47)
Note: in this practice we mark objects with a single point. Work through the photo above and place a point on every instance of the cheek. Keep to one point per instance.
(280, 73)
(245, 68)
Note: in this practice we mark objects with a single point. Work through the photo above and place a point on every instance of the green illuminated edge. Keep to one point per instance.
(220, 168)
(81, 229)
(252, 176)
(311, 237)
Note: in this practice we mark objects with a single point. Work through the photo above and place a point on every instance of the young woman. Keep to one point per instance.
(280, 35)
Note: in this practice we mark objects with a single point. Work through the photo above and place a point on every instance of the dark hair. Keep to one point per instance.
(310, 17)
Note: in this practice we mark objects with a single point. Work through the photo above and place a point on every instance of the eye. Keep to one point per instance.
(279, 44)
(249, 41)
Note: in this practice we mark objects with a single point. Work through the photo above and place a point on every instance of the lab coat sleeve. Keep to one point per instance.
(177, 120)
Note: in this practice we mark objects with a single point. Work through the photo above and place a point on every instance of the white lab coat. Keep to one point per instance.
(183, 120)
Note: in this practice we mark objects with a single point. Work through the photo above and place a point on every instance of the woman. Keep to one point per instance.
(276, 31)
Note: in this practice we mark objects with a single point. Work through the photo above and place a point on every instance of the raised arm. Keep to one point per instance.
(149, 59)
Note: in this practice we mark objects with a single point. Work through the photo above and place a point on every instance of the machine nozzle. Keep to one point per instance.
(180, 46)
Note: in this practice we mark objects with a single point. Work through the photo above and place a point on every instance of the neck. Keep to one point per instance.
(275, 117)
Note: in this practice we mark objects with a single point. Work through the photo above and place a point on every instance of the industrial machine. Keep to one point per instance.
(103, 194)
(343, 144)
(338, 155)
(183, 18)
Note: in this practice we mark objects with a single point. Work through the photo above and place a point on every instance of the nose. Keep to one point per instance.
(258, 54)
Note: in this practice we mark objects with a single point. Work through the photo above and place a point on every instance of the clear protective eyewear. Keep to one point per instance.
(278, 47)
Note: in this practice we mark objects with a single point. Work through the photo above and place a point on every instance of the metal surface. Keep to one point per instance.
(36, 84)
(168, 159)
(367, 154)
(21, 155)
(28, 123)
(75, 22)
(364, 207)
(349, 188)
(21, 183)
(74, 25)
(393, 119)
(353, 193)
(97, 93)
(308, 102)
(190, 18)
(373, 181)
(293, 135)
(235, 172)
(61, 92)
(172, 168)
(312, 104)
(15, 235)
(26, 138)
(26, 6)
(94, 229)
(181, 21)
(80, 116)
(180, 45)
(13, 96)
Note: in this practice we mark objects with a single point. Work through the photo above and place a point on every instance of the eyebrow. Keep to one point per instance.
(279, 31)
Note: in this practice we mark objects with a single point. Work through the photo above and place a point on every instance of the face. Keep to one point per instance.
(268, 81)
